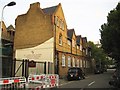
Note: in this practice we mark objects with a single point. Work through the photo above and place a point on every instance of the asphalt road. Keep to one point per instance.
(91, 81)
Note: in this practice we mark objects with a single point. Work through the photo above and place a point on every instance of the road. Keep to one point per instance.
(91, 81)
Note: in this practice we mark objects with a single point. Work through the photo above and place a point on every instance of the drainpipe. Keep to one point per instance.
(55, 64)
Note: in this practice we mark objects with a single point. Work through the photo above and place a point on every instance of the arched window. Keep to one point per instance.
(60, 39)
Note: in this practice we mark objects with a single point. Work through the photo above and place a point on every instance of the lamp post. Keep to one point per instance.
(9, 4)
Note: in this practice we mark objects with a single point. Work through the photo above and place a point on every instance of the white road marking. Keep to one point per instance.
(91, 83)
(66, 83)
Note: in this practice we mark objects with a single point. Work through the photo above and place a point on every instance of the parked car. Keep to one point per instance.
(105, 69)
(75, 73)
(98, 70)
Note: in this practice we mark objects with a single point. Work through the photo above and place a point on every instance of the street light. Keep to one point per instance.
(9, 4)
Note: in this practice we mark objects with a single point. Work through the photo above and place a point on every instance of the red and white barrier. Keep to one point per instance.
(35, 82)
(53, 80)
(12, 82)
(43, 81)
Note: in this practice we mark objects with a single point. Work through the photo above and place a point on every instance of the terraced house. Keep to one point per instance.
(42, 36)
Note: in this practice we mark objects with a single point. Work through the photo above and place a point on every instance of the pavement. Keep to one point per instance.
(63, 81)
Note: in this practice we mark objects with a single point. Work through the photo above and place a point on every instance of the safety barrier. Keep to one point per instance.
(34, 82)
(43, 81)
(12, 82)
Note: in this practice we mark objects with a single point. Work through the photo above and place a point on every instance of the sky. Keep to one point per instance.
(85, 16)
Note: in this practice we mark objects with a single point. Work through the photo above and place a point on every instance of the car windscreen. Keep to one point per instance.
(72, 70)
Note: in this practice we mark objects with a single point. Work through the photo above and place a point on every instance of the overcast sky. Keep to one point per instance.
(85, 16)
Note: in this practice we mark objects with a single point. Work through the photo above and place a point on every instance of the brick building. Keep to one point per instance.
(6, 51)
(42, 36)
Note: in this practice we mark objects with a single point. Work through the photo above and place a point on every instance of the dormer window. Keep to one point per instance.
(81, 47)
(77, 47)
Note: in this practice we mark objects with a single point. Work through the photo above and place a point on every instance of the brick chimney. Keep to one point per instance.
(35, 5)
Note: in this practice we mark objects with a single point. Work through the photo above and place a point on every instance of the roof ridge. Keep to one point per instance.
(50, 10)
(50, 7)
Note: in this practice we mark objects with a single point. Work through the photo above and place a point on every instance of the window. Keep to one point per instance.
(73, 62)
(80, 63)
(10, 33)
(63, 60)
(77, 63)
(69, 42)
(13, 33)
(77, 47)
(69, 61)
(56, 20)
(60, 39)
(73, 43)
(86, 51)
(81, 47)
(59, 23)
(62, 25)
(84, 63)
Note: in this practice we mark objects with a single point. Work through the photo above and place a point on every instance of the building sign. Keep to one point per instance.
(32, 64)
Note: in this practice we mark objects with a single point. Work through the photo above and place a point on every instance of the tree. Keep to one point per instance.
(110, 34)
(98, 54)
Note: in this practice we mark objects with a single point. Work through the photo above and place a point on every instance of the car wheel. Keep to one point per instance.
(69, 79)
(83, 77)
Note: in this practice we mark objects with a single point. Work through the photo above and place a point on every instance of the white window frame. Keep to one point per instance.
(73, 43)
(77, 47)
(63, 60)
(69, 61)
(69, 43)
(81, 47)
(80, 62)
(73, 62)
(77, 63)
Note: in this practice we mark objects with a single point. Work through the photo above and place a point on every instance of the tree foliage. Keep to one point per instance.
(110, 34)
(97, 53)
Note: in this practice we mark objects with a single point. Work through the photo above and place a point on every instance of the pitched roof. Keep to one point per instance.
(10, 28)
(70, 33)
(78, 39)
(49, 10)
(84, 39)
